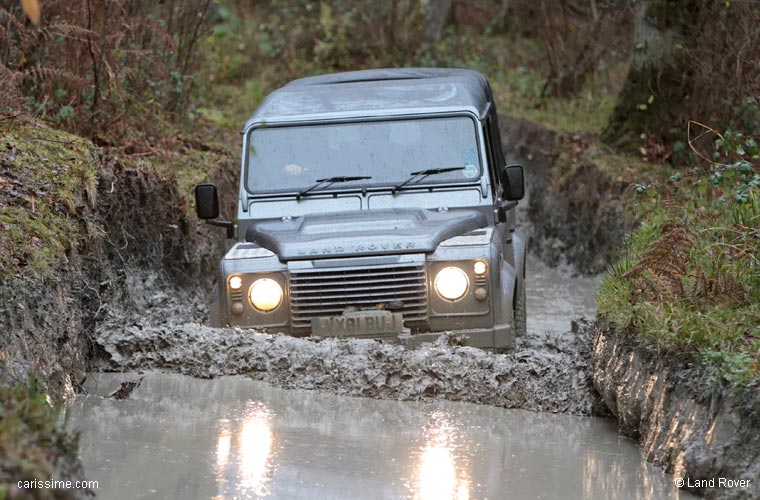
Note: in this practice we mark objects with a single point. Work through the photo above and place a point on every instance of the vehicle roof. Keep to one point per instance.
(375, 92)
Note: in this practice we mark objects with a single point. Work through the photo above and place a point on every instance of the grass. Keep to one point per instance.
(196, 157)
(518, 93)
(688, 282)
(622, 168)
(49, 187)
(33, 436)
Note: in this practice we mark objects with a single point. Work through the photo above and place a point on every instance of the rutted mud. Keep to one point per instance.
(549, 371)
(534, 377)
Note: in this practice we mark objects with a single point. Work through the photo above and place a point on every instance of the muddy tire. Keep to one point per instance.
(520, 319)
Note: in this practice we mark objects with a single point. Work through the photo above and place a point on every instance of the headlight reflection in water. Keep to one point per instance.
(223, 446)
(244, 455)
(441, 474)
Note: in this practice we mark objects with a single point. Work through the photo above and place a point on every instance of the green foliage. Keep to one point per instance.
(33, 436)
(689, 278)
(746, 114)
(737, 368)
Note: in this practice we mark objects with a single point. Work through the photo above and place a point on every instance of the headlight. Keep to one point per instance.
(236, 282)
(451, 283)
(265, 294)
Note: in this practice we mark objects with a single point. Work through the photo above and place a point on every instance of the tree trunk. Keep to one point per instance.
(436, 13)
(652, 101)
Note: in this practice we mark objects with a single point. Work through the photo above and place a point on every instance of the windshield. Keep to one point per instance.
(292, 158)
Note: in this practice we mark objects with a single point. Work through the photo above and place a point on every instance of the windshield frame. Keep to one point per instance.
(359, 188)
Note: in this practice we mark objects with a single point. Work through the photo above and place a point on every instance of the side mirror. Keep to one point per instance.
(514, 188)
(206, 201)
(207, 208)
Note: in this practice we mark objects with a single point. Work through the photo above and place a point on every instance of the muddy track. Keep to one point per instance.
(573, 212)
(551, 372)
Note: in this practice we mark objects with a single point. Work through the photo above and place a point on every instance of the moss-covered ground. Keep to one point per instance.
(48, 185)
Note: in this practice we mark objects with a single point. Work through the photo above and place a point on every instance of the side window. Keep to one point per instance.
(496, 137)
(492, 156)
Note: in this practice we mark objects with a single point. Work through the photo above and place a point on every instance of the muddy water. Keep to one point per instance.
(555, 295)
(232, 437)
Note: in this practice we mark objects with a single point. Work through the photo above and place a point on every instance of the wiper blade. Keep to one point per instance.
(432, 171)
(419, 175)
(331, 180)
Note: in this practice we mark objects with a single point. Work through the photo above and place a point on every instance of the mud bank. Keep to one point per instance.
(548, 373)
(574, 208)
(137, 225)
(685, 420)
(44, 331)
(137, 220)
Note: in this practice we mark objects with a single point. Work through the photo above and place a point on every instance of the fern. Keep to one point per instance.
(88, 62)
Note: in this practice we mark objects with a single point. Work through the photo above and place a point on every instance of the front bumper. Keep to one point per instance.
(399, 283)
(497, 337)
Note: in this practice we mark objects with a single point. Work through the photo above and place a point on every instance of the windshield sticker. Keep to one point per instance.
(470, 171)
(468, 155)
(293, 169)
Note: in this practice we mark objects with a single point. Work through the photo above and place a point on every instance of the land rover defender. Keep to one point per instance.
(378, 204)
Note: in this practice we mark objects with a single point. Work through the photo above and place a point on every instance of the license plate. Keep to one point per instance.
(359, 323)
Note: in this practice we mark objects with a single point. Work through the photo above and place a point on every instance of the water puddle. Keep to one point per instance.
(232, 437)
(556, 295)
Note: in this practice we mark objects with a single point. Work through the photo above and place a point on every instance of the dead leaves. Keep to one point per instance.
(32, 10)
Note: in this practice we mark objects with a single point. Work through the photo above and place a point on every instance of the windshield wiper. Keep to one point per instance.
(328, 181)
(422, 174)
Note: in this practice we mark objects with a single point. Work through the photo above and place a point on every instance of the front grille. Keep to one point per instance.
(329, 291)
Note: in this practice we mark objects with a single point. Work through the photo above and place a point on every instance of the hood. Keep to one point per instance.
(360, 233)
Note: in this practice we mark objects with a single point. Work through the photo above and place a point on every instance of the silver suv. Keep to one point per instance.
(377, 204)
